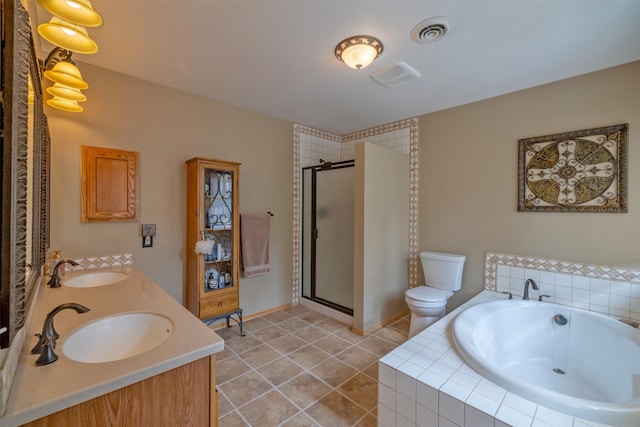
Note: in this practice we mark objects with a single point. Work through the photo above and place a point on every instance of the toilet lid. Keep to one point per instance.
(427, 294)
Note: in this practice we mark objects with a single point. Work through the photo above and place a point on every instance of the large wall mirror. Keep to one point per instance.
(25, 171)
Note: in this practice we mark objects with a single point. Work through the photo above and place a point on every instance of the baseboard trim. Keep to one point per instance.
(379, 325)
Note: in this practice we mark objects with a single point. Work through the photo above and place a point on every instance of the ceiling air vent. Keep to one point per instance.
(430, 30)
(396, 75)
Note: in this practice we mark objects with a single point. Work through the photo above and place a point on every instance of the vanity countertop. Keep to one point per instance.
(38, 391)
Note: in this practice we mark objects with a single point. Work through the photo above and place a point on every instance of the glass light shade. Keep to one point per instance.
(359, 56)
(64, 104)
(358, 51)
(79, 12)
(68, 36)
(66, 92)
(66, 74)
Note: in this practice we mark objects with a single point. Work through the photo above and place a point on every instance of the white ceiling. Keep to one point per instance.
(276, 57)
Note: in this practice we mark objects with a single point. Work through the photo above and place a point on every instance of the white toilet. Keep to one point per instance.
(443, 276)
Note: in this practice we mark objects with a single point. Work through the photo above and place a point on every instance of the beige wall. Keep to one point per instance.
(168, 127)
(381, 234)
(468, 176)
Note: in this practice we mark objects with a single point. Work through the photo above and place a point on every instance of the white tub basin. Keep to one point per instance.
(90, 280)
(117, 337)
(574, 361)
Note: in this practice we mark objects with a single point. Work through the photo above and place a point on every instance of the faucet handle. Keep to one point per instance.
(48, 355)
(508, 293)
(38, 347)
(543, 296)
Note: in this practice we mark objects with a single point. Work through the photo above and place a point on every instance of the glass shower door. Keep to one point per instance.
(334, 236)
(327, 234)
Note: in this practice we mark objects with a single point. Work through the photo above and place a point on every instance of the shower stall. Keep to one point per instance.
(328, 235)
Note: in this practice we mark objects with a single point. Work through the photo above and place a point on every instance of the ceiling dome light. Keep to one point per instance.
(68, 36)
(79, 12)
(66, 74)
(66, 92)
(64, 104)
(358, 51)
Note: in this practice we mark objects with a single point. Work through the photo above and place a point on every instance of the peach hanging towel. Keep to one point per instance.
(254, 243)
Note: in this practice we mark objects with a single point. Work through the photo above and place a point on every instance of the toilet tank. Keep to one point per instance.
(442, 270)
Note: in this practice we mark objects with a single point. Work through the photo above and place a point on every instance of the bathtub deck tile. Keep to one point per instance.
(491, 390)
(411, 369)
(402, 353)
(406, 385)
(483, 403)
(553, 418)
(441, 369)
(464, 379)
(386, 375)
(513, 417)
(475, 418)
(392, 360)
(455, 390)
(519, 404)
(432, 379)
(427, 396)
(451, 408)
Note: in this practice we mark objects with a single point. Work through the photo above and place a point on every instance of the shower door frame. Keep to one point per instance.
(314, 235)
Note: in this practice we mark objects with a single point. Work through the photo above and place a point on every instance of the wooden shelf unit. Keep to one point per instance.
(212, 214)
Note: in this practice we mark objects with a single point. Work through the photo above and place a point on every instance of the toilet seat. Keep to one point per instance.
(425, 294)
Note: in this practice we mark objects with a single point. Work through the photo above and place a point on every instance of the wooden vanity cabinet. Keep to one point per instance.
(213, 215)
(184, 396)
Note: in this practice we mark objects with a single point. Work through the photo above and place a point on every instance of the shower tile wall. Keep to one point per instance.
(613, 291)
(313, 148)
(310, 145)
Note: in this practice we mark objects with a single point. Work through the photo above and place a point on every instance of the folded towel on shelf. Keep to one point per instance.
(254, 243)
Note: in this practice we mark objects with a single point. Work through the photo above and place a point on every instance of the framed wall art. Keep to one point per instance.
(579, 171)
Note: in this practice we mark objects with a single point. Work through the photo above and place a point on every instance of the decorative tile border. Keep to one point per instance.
(315, 132)
(298, 130)
(413, 202)
(297, 190)
(613, 291)
(390, 127)
(91, 263)
(554, 266)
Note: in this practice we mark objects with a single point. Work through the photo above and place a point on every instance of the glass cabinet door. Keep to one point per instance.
(218, 228)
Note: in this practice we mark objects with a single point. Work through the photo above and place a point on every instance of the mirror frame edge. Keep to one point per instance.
(18, 62)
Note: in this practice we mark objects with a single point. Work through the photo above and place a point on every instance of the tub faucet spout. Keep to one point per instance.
(526, 287)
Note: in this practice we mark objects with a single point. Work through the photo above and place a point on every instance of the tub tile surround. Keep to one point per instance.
(613, 291)
(425, 383)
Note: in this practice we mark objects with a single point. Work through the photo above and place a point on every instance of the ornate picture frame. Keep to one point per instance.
(578, 171)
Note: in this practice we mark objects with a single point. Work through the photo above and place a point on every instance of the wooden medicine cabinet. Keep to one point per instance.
(109, 185)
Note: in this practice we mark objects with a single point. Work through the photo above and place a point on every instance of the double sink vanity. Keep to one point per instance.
(136, 357)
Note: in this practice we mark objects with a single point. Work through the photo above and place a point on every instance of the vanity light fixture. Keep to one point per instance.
(358, 51)
(64, 104)
(66, 92)
(68, 36)
(60, 69)
(79, 12)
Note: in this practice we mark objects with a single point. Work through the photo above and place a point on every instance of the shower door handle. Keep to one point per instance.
(315, 233)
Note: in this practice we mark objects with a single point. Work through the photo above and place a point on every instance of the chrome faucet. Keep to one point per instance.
(54, 281)
(47, 339)
(526, 287)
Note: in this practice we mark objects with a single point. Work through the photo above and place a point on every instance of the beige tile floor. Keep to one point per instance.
(300, 368)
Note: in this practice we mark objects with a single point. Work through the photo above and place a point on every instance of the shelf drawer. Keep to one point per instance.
(217, 305)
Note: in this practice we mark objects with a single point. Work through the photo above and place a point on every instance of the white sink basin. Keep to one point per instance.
(117, 337)
(90, 280)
